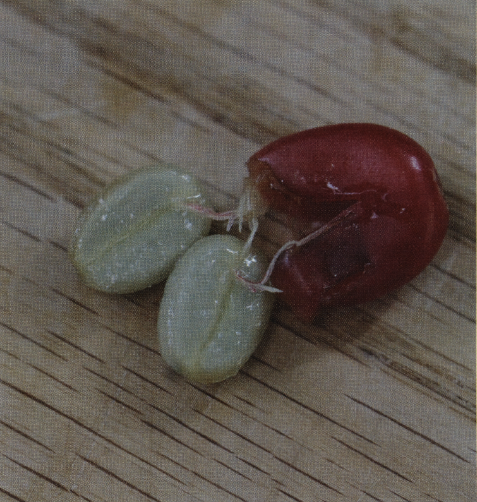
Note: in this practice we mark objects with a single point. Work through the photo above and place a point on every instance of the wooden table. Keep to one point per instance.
(371, 403)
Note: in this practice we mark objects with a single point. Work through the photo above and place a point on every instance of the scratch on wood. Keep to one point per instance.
(308, 475)
(76, 302)
(27, 185)
(26, 337)
(9, 494)
(118, 478)
(39, 474)
(25, 435)
(49, 375)
(74, 345)
(144, 379)
(304, 406)
(170, 436)
(406, 427)
(380, 464)
(118, 401)
(131, 340)
(21, 230)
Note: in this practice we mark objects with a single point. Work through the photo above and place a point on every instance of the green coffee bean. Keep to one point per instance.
(130, 237)
(209, 322)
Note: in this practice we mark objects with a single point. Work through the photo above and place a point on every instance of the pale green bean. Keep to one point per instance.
(209, 322)
(130, 237)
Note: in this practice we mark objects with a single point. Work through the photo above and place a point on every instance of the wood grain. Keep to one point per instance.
(371, 403)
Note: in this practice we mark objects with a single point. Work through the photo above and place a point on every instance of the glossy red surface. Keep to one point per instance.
(398, 220)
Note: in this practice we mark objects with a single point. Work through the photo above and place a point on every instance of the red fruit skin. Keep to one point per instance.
(398, 214)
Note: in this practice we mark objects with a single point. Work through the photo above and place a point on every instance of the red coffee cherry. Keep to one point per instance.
(378, 191)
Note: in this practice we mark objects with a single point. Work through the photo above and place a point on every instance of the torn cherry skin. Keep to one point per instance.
(382, 188)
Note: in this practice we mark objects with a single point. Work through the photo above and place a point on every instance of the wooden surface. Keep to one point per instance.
(371, 403)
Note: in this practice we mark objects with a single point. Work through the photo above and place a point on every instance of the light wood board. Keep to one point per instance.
(370, 403)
